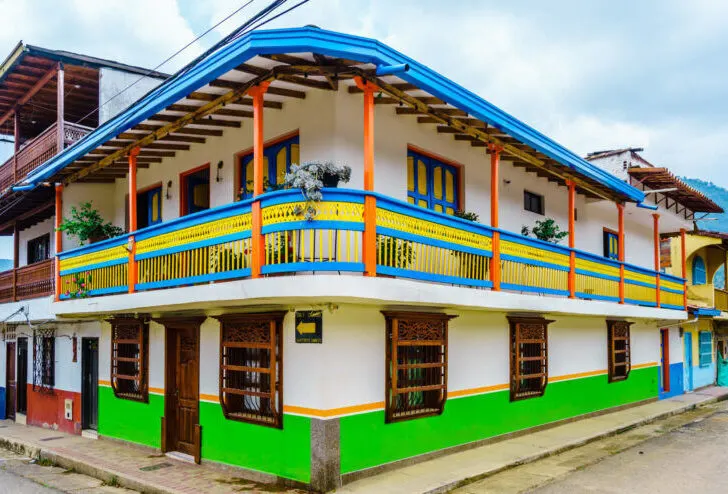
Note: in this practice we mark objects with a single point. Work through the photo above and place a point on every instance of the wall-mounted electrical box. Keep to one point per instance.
(68, 407)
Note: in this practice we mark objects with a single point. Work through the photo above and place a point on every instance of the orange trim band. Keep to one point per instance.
(333, 412)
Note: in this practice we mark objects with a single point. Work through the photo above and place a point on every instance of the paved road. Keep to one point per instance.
(15, 484)
(691, 458)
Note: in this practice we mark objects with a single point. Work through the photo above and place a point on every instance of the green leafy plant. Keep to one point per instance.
(86, 224)
(267, 187)
(78, 285)
(546, 230)
(311, 177)
(394, 252)
(467, 215)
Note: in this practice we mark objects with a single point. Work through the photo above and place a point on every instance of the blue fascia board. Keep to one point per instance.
(705, 312)
(307, 39)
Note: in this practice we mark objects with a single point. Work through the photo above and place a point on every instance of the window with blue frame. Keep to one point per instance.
(277, 160)
(706, 348)
(611, 245)
(431, 183)
(699, 274)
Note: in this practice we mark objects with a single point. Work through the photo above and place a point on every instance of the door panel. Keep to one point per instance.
(21, 386)
(183, 368)
(89, 383)
(10, 386)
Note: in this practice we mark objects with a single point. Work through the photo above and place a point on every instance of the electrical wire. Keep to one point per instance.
(150, 71)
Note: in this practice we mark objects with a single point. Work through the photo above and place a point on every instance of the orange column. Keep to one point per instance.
(257, 240)
(495, 271)
(369, 244)
(620, 213)
(132, 269)
(684, 267)
(58, 240)
(572, 238)
(656, 233)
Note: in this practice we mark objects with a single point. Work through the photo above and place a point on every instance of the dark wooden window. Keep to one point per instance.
(416, 364)
(533, 202)
(618, 349)
(44, 360)
(130, 359)
(529, 356)
(251, 368)
(39, 248)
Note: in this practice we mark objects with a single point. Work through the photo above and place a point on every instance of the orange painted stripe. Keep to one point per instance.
(474, 391)
(214, 398)
(157, 391)
(104, 383)
(646, 364)
(332, 412)
(577, 375)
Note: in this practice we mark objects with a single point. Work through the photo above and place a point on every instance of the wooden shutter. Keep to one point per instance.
(416, 364)
(619, 358)
(129, 359)
(529, 357)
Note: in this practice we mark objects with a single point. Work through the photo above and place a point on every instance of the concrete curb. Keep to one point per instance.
(574, 444)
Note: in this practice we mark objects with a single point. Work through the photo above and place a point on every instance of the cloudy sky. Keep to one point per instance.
(593, 75)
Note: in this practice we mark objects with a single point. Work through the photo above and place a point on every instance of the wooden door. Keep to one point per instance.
(183, 388)
(89, 383)
(10, 387)
(21, 385)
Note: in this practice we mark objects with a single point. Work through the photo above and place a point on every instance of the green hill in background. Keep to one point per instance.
(719, 195)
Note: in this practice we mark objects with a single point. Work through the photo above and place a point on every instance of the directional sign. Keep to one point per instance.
(309, 326)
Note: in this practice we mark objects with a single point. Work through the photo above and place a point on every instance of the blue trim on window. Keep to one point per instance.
(157, 191)
(705, 348)
(270, 152)
(429, 197)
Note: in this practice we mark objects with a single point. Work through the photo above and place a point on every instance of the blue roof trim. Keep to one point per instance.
(705, 312)
(333, 44)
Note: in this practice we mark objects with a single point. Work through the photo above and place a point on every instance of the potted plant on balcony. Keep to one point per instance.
(311, 177)
(78, 285)
(87, 225)
(546, 230)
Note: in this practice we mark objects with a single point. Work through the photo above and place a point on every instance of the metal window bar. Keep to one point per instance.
(44, 360)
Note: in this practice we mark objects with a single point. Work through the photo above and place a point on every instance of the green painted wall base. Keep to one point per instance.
(366, 441)
(282, 452)
(131, 420)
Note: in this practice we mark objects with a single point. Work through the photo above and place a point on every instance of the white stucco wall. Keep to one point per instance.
(336, 134)
(111, 84)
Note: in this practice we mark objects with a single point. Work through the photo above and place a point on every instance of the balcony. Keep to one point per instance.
(31, 281)
(411, 242)
(721, 299)
(37, 151)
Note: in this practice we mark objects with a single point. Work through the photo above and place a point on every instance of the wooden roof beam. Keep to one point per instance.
(207, 121)
(204, 110)
(222, 111)
(130, 136)
(202, 96)
(291, 93)
(31, 92)
(184, 130)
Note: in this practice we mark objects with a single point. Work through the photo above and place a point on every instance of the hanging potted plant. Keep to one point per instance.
(87, 225)
(311, 177)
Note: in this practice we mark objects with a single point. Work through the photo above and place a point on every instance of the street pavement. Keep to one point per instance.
(21, 475)
(684, 453)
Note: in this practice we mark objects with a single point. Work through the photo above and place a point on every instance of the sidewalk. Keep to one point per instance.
(447, 472)
(141, 469)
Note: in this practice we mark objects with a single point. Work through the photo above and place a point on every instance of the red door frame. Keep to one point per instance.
(665, 356)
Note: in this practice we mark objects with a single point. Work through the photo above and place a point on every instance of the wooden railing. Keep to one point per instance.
(37, 151)
(31, 281)
(411, 242)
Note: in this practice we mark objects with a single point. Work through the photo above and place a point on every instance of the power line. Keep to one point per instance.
(166, 60)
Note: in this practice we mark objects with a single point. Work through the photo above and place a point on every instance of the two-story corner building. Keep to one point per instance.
(49, 100)
(383, 330)
(687, 253)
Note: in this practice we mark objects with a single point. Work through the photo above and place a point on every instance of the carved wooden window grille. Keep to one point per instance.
(251, 368)
(130, 359)
(416, 364)
(529, 356)
(44, 360)
(618, 348)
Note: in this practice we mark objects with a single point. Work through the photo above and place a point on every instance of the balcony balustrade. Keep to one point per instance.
(37, 151)
(411, 242)
(31, 281)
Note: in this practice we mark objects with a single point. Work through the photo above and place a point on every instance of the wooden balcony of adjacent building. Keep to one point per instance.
(36, 151)
(26, 282)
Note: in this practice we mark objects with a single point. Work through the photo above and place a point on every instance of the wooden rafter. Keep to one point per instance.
(203, 111)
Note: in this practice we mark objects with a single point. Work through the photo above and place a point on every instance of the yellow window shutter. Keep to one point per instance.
(449, 186)
(295, 154)
(410, 174)
(281, 160)
(421, 178)
(437, 182)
